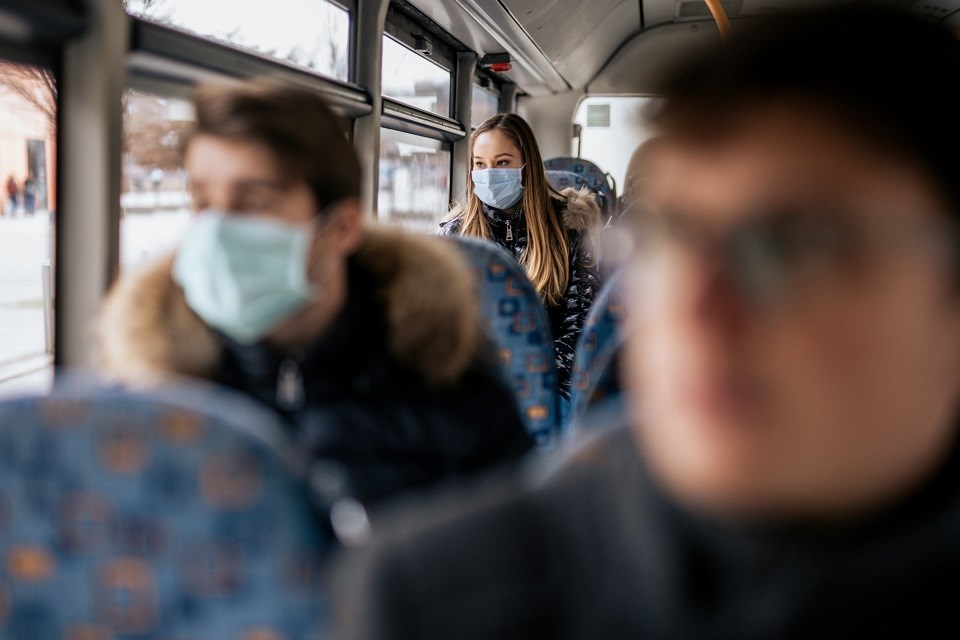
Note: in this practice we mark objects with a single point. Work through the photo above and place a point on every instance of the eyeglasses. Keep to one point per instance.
(769, 256)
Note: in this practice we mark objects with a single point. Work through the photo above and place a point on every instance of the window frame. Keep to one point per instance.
(34, 34)
(170, 60)
(402, 22)
(450, 88)
(349, 6)
(40, 25)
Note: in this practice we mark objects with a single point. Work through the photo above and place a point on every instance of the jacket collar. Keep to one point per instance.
(499, 216)
(356, 336)
(147, 332)
(498, 221)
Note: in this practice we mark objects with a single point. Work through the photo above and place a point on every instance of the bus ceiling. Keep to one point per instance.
(600, 46)
(558, 46)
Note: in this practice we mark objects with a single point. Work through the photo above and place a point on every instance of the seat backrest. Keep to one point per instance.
(594, 376)
(153, 515)
(517, 323)
(600, 183)
(560, 179)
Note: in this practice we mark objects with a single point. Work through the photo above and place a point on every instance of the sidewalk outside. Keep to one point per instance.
(25, 243)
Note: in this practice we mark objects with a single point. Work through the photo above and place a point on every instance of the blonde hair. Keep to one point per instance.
(546, 258)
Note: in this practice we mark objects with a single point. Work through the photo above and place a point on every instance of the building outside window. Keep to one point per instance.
(414, 181)
(154, 200)
(28, 117)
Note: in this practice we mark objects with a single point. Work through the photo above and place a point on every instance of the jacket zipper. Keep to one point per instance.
(290, 393)
(509, 231)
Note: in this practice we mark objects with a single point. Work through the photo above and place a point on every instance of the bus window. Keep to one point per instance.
(154, 200)
(414, 80)
(612, 128)
(485, 104)
(414, 181)
(28, 118)
(314, 34)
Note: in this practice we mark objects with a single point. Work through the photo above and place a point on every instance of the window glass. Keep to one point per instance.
(612, 128)
(28, 147)
(485, 104)
(314, 34)
(414, 181)
(414, 80)
(154, 199)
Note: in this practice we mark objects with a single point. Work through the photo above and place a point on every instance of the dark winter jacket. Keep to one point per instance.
(581, 216)
(397, 394)
(595, 550)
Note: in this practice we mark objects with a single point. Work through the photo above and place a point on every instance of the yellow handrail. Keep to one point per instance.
(720, 17)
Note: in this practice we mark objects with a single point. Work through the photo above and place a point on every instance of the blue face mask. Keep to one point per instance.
(498, 188)
(243, 275)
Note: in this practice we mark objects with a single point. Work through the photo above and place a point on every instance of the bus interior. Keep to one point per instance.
(95, 102)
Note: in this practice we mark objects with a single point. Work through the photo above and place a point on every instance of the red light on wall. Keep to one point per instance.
(496, 62)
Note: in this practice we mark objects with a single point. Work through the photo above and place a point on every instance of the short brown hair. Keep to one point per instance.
(294, 122)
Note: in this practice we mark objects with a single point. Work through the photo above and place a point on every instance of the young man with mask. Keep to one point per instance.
(791, 467)
(366, 340)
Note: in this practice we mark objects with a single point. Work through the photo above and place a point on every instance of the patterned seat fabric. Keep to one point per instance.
(127, 515)
(517, 323)
(561, 180)
(595, 358)
(600, 183)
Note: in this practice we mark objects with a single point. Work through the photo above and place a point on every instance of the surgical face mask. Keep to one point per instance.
(243, 275)
(498, 188)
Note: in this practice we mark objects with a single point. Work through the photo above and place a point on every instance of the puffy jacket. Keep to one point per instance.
(396, 395)
(580, 215)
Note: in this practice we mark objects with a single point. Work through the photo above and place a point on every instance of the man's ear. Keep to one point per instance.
(347, 229)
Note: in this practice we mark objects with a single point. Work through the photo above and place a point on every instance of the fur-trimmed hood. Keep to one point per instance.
(580, 213)
(147, 332)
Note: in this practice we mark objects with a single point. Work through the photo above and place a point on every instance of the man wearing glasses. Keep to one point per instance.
(791, 466)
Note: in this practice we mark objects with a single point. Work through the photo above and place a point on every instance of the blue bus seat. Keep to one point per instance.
(600, 182)
(517, 322)
(125, 514)
(594, 375)
(561, 180)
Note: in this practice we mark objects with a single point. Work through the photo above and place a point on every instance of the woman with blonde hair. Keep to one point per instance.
(510, 202)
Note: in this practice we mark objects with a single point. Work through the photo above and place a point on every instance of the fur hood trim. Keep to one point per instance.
(581, 212)
(147, 333)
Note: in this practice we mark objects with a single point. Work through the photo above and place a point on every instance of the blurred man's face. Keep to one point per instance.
(241, 178)
(794, 346)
